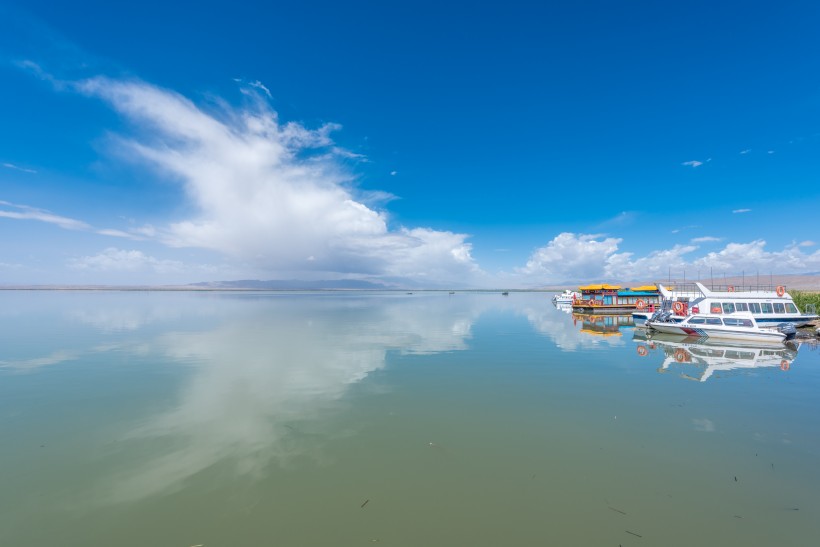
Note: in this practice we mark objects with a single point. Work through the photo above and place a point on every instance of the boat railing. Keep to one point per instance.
(689, 287)
(742, 288)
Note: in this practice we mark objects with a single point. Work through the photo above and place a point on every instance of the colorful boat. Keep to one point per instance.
(614, 299)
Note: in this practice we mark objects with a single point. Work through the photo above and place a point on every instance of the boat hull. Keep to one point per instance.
(705, 331)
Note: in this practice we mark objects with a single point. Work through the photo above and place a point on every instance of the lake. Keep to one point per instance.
(353, 418)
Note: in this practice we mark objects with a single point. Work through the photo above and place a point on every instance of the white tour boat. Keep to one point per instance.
(566, 297)
(767, 307)
(740, 326)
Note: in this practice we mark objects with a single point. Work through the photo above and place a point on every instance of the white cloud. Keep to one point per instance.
(693, 163)
(272, 193)
(750, 256)
(746, 151)
(23, 212)
(807, 243)
(571, 256)
(118, 260)
(736, 211)
(584, 258)
(652, 266)
(705, 239)
(18, 168)
(393, 173)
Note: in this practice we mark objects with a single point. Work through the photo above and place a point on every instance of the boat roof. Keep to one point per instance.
(644, 288)
(599, 287)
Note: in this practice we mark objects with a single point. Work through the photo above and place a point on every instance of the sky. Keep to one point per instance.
(421, 144)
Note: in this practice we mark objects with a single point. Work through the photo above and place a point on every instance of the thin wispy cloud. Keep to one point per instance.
(689, 227)
(807, 243)
(705, 239)
(693, 163)
(621, 219)
(24, 212)
(746, 151)
(738, 211)
(259, 85)
(18, 168)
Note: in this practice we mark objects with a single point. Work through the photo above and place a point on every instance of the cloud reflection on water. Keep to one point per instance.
(270, 372)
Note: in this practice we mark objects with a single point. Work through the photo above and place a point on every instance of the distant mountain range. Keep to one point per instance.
(292, 284)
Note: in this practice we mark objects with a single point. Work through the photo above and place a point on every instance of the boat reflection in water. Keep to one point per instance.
(699, 359)
(563, 306)
(602, 325)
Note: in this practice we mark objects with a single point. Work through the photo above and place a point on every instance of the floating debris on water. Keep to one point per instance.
(634, 534)
(365, 503)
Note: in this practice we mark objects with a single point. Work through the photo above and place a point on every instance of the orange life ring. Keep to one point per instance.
(593, 303)
(731, 288)
(640, 304)
(642, 351)
(784, 365)
(678, 307)
(781, 290)
(680, 355)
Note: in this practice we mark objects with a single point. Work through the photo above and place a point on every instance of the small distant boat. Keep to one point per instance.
(505, 293)
(452, 292)
(737, 327)
(566, 297)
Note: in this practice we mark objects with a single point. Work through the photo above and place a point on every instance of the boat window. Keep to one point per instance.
(697, 321)
(742, 306)
(754, 307)
(715, 308)
(732, 322)
(713, 320)
(791, 308)
(728, 307)
(779, 307)
(766, 307)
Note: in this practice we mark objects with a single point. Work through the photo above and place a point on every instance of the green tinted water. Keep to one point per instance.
(224, 419)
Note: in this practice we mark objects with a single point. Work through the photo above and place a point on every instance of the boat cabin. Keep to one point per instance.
(600, 297)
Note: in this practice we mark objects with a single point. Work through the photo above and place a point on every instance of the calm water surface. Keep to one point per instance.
(336, 419)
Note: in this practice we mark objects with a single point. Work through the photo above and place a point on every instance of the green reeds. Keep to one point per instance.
(801, 298)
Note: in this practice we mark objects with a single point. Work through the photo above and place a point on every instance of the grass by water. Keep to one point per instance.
(802, 298)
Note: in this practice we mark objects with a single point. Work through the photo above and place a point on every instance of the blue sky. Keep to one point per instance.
(427, 144)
